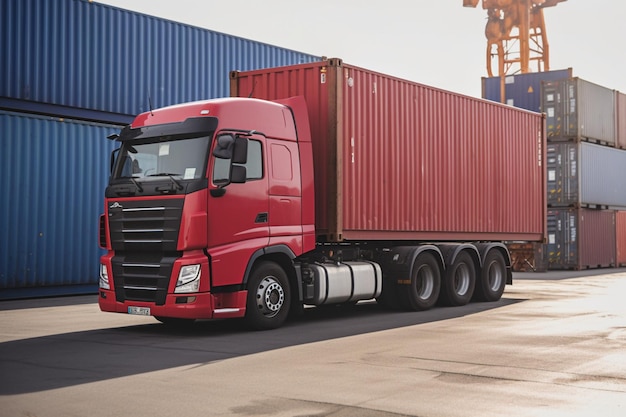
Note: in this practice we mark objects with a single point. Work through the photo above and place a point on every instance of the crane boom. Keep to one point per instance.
(516, 35)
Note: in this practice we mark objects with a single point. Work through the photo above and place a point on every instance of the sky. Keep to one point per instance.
(434, 42)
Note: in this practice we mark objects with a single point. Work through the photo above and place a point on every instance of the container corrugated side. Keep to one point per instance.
(399, 160)
(54, 172)
(578, 110)
(586, 175)
(580, 239)
(620, 238)
(521, 90)
(620, 120)
(86, 55)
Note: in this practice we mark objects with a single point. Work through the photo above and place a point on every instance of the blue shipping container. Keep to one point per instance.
(54, 172)
(521, 90)
(86, 55)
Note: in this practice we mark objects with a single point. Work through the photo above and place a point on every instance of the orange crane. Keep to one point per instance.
(516, 35)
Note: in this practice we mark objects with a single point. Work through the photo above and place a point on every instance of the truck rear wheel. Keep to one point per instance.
(422, 291)
(269, 297)
(492, 280)
(459, 280)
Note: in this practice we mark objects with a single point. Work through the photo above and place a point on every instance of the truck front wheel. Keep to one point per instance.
(269, 296)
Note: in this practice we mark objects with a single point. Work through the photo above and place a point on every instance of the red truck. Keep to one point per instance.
(321, 183)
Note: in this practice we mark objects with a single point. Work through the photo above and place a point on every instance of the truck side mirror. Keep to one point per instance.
(238, 174)
(224, 146)
(240, 151)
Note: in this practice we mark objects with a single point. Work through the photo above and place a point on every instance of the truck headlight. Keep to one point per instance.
(104, 278)
(188, 279)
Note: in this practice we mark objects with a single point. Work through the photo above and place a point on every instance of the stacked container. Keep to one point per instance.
(586, 171)
(586, 168)
(586, 175)
(581, 238)
(53, 188)
(73, 72)
(620, 141)
(577, 110)
(521, 90)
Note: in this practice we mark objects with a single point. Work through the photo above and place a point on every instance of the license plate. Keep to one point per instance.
(140, 311)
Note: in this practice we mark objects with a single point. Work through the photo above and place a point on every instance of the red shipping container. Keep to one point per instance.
(400, 160)
(620, 238)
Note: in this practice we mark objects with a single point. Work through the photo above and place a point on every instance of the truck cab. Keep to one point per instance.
(201, 196)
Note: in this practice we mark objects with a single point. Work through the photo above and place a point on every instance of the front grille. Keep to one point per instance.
(142, 276)
(144, 235)
(145, 225)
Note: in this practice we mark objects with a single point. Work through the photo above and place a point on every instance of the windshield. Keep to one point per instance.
(163, 156)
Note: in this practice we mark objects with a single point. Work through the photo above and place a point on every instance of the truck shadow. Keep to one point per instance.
(63, 360)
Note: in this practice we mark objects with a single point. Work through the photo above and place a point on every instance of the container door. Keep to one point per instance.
(562, 246)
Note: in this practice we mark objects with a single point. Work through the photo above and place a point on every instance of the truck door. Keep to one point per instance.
(285, 194)
(238, 216)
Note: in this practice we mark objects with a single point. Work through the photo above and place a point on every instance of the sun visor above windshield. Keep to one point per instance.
(190, 127)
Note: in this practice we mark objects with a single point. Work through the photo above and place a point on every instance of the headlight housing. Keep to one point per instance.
(104, 278)
(188, 279)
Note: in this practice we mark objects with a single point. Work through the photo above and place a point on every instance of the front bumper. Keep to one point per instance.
(188, 306)
(199, 305)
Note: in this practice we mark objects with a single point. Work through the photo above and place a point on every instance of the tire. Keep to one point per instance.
(175, 322)
(269, 297)
(457, 286)
(422, 290)
(492, 281)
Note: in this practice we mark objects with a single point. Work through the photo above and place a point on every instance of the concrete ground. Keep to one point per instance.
(555, 345)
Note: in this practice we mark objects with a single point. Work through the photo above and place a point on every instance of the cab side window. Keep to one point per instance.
(254, 166)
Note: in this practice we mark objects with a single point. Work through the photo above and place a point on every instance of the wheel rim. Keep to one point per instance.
(425, 283)
(270, 296)
(462, 279)
(495, 276)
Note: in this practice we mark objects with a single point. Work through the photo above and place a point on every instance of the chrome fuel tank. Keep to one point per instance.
(344, 282)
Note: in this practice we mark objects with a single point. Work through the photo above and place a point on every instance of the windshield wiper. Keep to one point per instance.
(171, 177)
(139, 187)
